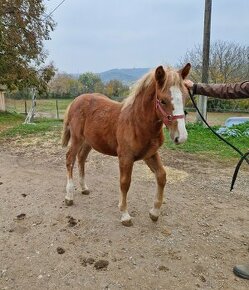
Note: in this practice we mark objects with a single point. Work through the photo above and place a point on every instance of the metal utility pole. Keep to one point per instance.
(202, 100)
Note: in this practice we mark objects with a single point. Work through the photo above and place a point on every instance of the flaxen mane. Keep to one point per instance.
(136, 89)
(143, 83)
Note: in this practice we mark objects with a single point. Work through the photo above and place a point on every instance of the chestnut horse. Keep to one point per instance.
(131, 130)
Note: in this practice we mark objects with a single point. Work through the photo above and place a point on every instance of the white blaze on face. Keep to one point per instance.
(177, 101)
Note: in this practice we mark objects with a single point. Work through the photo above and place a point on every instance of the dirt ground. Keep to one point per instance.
(201, 234)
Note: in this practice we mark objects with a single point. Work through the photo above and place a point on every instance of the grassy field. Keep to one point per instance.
(200, 141)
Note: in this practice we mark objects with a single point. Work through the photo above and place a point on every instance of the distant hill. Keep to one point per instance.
(125, 75)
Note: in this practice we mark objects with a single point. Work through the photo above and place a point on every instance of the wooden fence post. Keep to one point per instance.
(57, 109)
(2, 101)
(25, 107)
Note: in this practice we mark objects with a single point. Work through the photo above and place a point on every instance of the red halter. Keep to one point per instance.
(167, 118)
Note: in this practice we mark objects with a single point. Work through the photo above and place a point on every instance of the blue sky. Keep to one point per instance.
(98, 35)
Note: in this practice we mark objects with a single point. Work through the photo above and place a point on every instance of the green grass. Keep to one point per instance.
(8, 120)
(12, 126)
(202, 141)
(6, 117)
(39, 127)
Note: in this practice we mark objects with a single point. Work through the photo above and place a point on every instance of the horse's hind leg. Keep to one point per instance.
(156, 166)
(82, 156)
(70, 160)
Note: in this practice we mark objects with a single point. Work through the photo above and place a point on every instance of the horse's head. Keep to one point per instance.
(170, 100)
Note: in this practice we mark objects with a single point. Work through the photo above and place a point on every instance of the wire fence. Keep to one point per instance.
(49, 108)
(221, 105)
(55, 108)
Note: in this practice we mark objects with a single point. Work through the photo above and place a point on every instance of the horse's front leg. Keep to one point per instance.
(125, 167)
(155, 164)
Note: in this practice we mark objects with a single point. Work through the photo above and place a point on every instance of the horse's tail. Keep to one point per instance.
(66, 131)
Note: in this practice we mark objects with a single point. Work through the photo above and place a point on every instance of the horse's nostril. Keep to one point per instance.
(176, 139)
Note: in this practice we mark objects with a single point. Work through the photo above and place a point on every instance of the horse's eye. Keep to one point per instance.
(163, 102)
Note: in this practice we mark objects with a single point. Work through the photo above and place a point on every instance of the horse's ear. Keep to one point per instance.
(160, 75)
(185, 70)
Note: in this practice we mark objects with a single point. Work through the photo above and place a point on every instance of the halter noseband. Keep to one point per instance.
(167, 118)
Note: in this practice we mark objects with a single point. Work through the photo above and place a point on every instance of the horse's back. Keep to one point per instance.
(85, 105)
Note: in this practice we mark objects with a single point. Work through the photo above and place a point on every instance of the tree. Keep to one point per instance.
(64, 86)
(23, 28)
(116, 89)
(229, 62)
(91, 83)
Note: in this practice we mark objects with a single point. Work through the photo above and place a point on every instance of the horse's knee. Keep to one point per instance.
(69, 159)
(161, 177)
(125, 183)
(69, 164)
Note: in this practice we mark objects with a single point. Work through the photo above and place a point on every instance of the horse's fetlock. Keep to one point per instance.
(121, 207)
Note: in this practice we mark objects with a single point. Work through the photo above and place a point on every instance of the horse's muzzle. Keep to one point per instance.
(180, 139)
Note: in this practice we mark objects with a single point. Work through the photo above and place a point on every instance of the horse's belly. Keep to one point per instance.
(105, 149)
(100, 134)
(102, 144)
(145, 154)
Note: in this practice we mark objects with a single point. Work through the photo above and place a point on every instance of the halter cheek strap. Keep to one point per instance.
(167, 118)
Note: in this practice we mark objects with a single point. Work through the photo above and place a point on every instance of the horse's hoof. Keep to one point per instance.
(127, 223)
(69, 202)
(153, 217)
(85, 191)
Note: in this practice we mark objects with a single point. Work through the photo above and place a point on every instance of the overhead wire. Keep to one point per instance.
(54, 9)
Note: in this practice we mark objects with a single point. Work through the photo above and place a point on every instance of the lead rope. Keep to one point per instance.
(243, 155)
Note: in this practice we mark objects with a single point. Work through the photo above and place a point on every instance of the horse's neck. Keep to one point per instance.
(144, 112)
